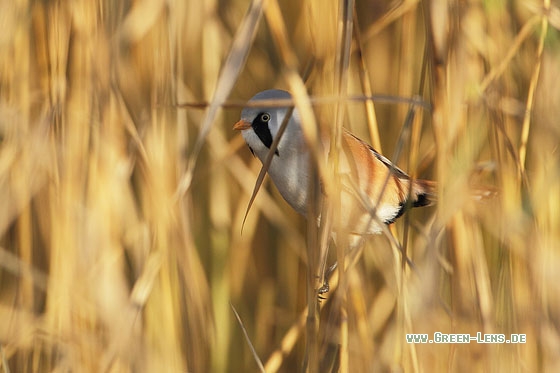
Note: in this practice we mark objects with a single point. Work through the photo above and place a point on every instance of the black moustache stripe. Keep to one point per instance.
(263, 132)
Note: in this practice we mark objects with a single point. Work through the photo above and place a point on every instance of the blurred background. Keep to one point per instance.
(121, 247)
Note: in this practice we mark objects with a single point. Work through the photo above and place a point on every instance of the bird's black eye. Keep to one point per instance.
(265, 117)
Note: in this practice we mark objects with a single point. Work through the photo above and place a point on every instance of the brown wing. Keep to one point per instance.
(371, 170)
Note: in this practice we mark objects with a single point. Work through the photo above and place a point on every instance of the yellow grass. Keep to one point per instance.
(120, 223)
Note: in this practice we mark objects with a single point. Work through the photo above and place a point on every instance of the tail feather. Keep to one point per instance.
(425, 192)
(479, 193)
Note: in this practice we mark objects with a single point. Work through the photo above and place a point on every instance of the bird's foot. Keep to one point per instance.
(323, 290)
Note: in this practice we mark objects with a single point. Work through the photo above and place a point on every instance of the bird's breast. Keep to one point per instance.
(290, 174)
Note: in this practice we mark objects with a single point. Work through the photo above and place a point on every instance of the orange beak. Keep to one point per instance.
(241, 125)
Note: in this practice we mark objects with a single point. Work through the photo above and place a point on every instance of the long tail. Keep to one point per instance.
(424, 192)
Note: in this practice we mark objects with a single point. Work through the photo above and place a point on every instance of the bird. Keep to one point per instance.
(374, 191)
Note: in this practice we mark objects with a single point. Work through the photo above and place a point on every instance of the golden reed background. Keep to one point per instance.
(120, 225)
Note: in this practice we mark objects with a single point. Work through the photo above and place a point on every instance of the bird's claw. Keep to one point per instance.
(323, 290)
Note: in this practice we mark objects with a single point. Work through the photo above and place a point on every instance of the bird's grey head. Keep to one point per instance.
(259, 125)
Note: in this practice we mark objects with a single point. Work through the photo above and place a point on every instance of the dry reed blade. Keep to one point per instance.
(232, 66)
(253, 351)
(531, 93)
(366, 88)
(523, 34)
(287, 344)
(342, 63)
